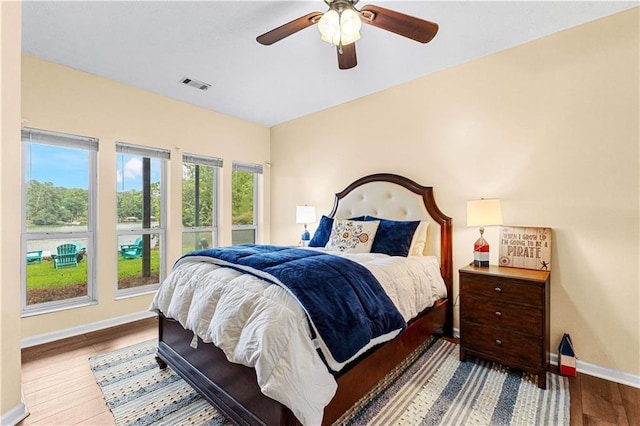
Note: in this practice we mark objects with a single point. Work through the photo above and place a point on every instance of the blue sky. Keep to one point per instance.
(68, 167)
(130, 167)
(62, 166)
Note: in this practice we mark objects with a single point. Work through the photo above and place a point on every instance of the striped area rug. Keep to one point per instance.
(431, 387)
(139, 393)
(437, 389)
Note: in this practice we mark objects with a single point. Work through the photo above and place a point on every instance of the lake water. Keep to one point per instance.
(48, 246)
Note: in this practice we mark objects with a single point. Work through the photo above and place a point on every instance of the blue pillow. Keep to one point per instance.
(321, 236)
(323, 232)
(393, 237)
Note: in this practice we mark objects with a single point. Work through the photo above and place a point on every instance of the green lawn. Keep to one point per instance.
(44, 275)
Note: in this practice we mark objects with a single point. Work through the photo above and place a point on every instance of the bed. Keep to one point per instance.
(233, 388)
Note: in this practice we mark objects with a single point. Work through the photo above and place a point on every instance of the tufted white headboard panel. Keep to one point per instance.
(394, 197)
(388, 200)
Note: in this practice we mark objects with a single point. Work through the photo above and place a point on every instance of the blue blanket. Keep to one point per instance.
(344, 301)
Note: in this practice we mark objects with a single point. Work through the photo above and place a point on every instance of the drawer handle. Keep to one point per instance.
(498, 313)
(498, 342)
(498, 290)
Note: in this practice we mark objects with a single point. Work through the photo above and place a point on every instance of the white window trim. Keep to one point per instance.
(46, 137)
(163, 155)
(257, 170)
(217, 164)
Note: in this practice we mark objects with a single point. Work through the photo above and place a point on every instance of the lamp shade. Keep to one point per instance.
(484, 212)
(305, 214)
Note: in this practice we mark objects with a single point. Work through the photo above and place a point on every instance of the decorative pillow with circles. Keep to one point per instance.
(323, 231)
(352, 236)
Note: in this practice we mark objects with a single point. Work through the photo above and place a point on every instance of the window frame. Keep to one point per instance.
(216, 164)
(163, 155)
(257, 171)
(64, 140)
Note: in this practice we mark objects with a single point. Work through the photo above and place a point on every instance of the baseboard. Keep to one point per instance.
(14, 416)
(603, 372)
(85, 328)
(593, 369)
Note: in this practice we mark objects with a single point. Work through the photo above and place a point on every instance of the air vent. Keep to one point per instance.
(195, 83)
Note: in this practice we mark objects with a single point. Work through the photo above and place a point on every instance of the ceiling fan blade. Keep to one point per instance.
(347, 56)
(289, 28)
(405, 25)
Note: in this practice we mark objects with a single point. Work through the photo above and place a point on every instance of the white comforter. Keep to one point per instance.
(261, 325)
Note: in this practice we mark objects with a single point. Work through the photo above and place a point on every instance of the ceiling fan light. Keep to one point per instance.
(350, 38)
(329, 27)
(350, 21)
(350, 25)
(333, 39)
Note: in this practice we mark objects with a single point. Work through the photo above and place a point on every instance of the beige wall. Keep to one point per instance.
(551, 128)
(58, 98)
(53, 97)
(11, 408)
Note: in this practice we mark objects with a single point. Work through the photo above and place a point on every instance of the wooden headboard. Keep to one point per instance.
(394, 197)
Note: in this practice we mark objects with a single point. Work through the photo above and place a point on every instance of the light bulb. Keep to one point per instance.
(350, 25)
(329, 26)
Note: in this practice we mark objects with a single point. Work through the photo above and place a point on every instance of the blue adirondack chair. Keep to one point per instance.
(34, 256)
(132, 251)
(67, 255)
(82, 252)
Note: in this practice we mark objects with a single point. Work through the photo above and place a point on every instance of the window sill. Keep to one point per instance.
(49, 309)
(134, 292)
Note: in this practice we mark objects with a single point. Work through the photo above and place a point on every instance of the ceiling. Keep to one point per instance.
(154, 45)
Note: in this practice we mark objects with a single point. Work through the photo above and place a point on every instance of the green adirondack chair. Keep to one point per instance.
(132, 251)
(67, 255)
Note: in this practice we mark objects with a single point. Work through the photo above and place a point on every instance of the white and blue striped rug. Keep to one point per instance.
(432, 387)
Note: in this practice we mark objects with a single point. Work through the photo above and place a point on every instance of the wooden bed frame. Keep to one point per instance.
(233, 388)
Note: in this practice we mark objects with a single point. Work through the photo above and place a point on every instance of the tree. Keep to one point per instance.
(204, 210)
(242, 198)
(75, 203)
(155, 200)
(50, 205)
(129, 204)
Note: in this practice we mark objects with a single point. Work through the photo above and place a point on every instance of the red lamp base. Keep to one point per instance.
(481, 253)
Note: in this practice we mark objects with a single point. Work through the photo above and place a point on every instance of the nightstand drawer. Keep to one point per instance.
(507, 347)
(504, 317)
(513, 290)
(524, 319)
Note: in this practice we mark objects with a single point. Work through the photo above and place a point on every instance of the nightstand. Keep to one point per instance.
(504, 317)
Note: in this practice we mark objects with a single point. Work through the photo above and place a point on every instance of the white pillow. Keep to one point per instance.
(419, 240)
(352, 236)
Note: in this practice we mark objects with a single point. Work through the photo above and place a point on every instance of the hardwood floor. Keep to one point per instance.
(596, 401)
(59, 387)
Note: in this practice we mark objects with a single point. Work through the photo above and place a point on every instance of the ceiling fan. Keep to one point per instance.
(341, 24)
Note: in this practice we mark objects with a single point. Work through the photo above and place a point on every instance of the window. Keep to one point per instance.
(140, 217)
(58, 220)
(245, 203)
(199, 202)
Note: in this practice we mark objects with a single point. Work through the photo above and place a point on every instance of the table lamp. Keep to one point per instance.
(483, 213)
(305, 215)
